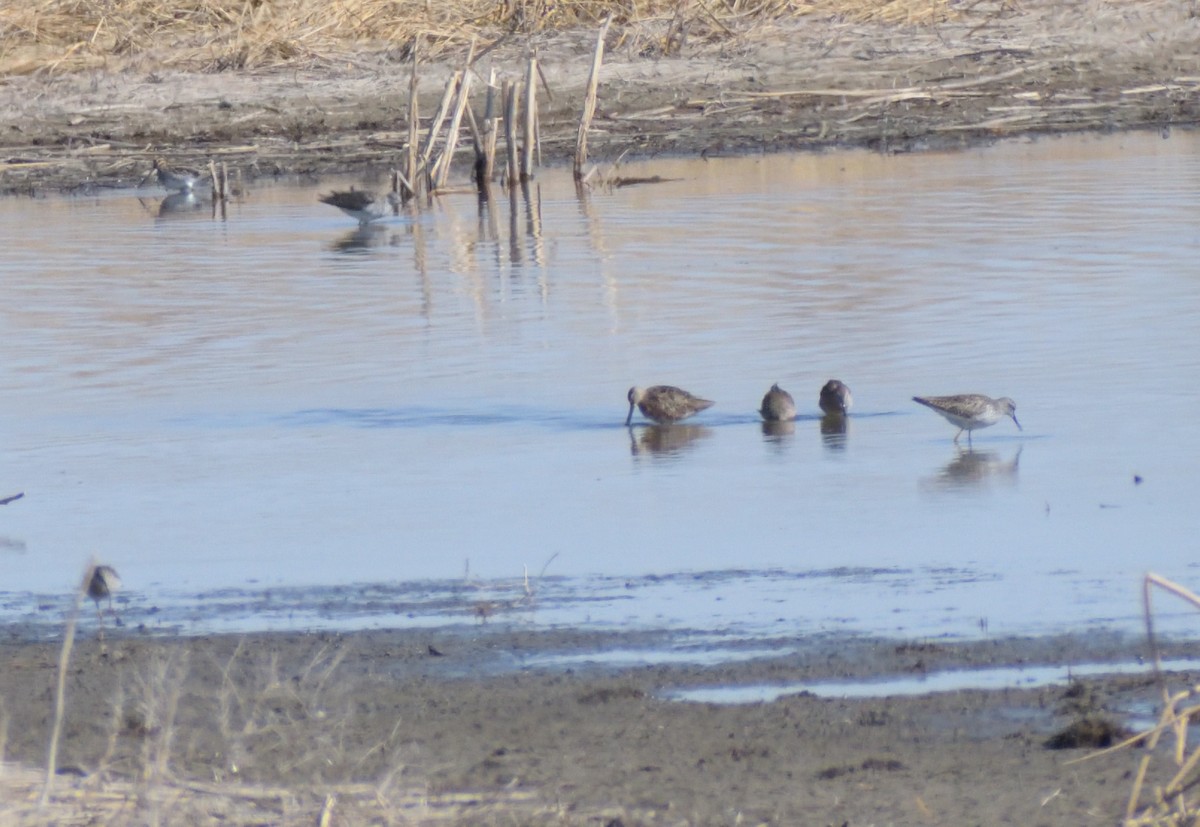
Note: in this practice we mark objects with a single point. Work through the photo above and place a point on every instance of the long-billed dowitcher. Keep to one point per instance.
(664, 403)
(176, 178)
(835, 398)
(363, 206)
(971, 411)
(778, 405)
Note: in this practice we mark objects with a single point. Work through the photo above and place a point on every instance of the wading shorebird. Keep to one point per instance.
(363, 206)
(664, 404)
(778, 405)
(835, 398)
(175, 178)
(102, 582)
(971, 411)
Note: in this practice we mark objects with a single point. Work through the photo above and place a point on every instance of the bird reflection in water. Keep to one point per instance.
(774, 431)
(834, 429)
(177, 205)
(665, 440)
(363, 237)
(970, 468)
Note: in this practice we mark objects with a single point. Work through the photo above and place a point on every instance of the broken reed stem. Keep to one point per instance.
(530, 119)
(510, 129)
(435, 125)
(443, 165)
(477, 142)
(589, 101)
(463, 92)
(60, 694)
(490, 132)
(413, 133)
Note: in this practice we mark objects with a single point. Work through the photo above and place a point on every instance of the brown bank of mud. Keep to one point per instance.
(979, 72)
(457, 727)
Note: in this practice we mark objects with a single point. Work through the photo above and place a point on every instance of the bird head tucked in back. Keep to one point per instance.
(835, 398)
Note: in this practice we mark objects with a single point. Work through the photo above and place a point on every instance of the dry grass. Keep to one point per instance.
(1169, 804)
(219, 35)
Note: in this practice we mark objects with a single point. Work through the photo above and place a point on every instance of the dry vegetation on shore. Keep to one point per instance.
(219, 35)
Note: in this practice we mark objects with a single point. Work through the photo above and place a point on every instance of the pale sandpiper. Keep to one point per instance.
(361, 205)
(971, 411)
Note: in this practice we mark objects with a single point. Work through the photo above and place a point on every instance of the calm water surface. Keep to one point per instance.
(275, 421)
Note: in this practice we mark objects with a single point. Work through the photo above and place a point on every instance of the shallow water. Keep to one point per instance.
(276, 421)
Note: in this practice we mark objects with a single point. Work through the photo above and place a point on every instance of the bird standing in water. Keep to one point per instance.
(778, 405)
(363, 206)
(102, 582)
(835, 398)
(664, 403)
(971, 411)
(178, 179)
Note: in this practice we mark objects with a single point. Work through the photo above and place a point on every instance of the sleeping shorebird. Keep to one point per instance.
(102, 582)
(363, 206)
(178, 179)
(971, 411)
(835, 398)
(664, 404)
(778, 405)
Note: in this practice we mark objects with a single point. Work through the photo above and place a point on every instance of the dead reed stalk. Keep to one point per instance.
(510, 130)
(530, 123)
(1169, 806)
(60, 690)
(589, 101)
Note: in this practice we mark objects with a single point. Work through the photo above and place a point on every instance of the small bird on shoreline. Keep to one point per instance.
(835, 398)
(971, 411)
(664, 403)
(178, 179)
(778, 405)
(102, 582)
(361, 205)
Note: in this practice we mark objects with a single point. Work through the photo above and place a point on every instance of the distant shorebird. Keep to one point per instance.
(664, 403)
(363, 206)
(835, 398)
(778, 405)
(176, 178)
(971, 411)
(102, 582)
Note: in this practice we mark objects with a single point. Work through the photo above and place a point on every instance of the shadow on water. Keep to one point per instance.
(665, 440)
(835, 428)
(775, 431)
(178, 205)
(971, 468)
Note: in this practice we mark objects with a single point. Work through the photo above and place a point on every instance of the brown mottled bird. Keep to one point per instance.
(664, 403)
(778, 405)
(102, 582)
(835, 398)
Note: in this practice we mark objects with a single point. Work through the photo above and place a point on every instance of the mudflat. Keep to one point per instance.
(478, 725)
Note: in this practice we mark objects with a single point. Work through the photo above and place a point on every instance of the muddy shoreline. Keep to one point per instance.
(458, 727)
(810, 84)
